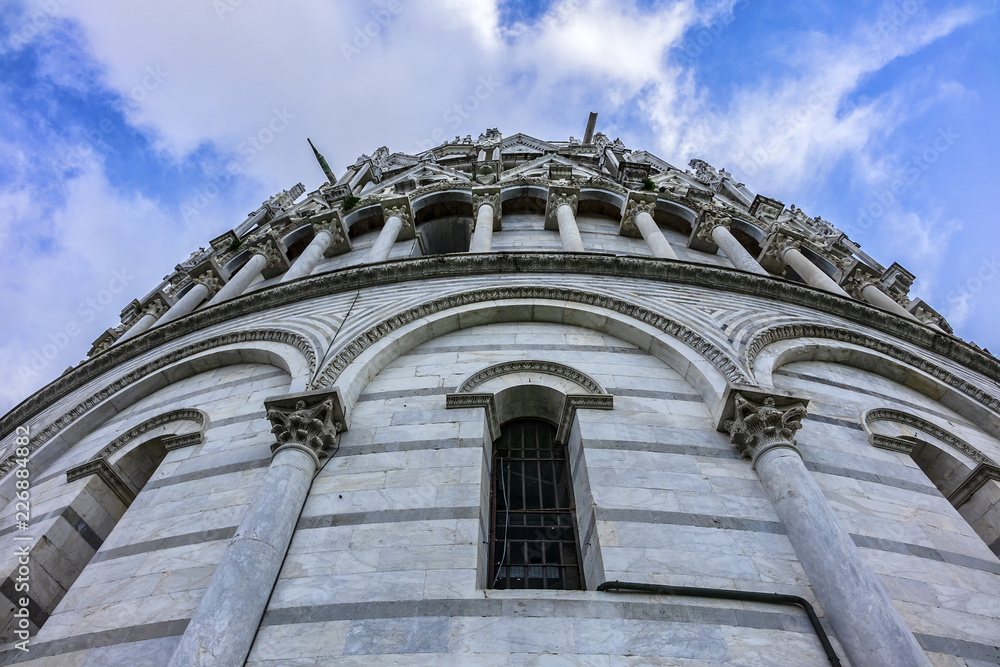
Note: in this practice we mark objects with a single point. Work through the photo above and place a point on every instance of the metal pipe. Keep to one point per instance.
(725, 594)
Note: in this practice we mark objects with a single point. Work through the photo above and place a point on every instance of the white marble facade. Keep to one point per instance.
(179, 516)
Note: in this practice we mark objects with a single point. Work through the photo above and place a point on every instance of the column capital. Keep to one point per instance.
(309, 419)
(701, 236)
(855, 281)
(400, 208)
(210, 280)
(559, 196)
(757, 422)
(267, 247)
(780, 241)
(156, 307)
(333, 223)
(487, 195)
(637, 202)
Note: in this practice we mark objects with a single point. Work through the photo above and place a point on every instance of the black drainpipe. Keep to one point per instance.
(722, 593)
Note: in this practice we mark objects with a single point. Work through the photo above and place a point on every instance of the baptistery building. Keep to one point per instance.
(512, 402)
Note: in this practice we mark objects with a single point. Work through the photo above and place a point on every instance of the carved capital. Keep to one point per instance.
(758, 427)
(400, 208)
(559, 196)
(701, 235)
(491, 196)
(312, 420)
(856, 284)
(155, 308)
(211, 281)
(636, 204)
(329, 223)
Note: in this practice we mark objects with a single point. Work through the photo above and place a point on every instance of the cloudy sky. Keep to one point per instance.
(133, 132)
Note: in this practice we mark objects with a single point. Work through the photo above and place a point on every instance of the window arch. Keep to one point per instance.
(533, 538)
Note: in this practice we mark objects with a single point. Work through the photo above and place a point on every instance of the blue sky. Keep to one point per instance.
(126, 128)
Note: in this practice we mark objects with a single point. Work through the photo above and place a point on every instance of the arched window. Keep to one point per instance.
(533, 541)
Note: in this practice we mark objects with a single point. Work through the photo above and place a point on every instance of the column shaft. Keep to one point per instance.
(239, 282)
(310, 257)
(880, 299)
(482, 236)
(812, 273)
(187, 303)
(144, 323)
(386, 239)
(869, 627)
(223, 627)
(735, 251)
(655, 239)
(569, 233)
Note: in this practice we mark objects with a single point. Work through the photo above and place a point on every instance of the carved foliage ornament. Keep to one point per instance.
(757, 428)
(313, 426)
(633, 209)
(211, 281)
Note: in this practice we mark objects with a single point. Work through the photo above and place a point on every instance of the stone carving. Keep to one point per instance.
(632, 209)
(313, 426)
(531, 366)
(856, 284)
(363, 341)
(106, 472)
(983, 473)
(211, 281)
(899, 417)
(154, 308)
(709, 221)
(758, 427)
(176, 415)
(774, 254)
(491, 198)
(485, 401)
(116, 356)
(332, 226)
(771, 335)
(705, 172)
(576, 402)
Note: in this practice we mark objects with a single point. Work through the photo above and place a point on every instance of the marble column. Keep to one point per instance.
(735, 252)
(379, 252)
(638, 216)
(311, 256)
(866, 289)
(150, 314)
(205, 286)
(569, 233)
(222, 629)
(808, 271)
(247, 274)
(870, 628)
(482, 235)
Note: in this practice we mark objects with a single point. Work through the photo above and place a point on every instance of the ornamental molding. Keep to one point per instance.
(716, 356)
(576, 402)
(398, 271)
(984, 472)
(108, 475)
(920, 424)
(119, 354)
(486, 401)
(531, 366)
(766, 337)
(167, 417)
(311, 421)
(758, 427)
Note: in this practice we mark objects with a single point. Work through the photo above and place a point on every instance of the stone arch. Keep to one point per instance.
(518, 367)
(706, 366)
(223, 350)
(99, 492)
(788, 343)
(598, 201)
(969, 479)
(442, 204)
(523, 198)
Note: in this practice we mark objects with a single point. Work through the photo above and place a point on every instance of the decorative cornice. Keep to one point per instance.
(269, 335)
(774, 334)
(982, 473)
(531, 366)
(159, 420)
(485, 401)
(576, 402)
(920, 424)
(397, 271)
(758, 427)
(716, 356)
(108, 475)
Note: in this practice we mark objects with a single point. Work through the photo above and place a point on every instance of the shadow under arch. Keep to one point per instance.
(969, 479)
(774, 347)
(704, 365)
(285, 350)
